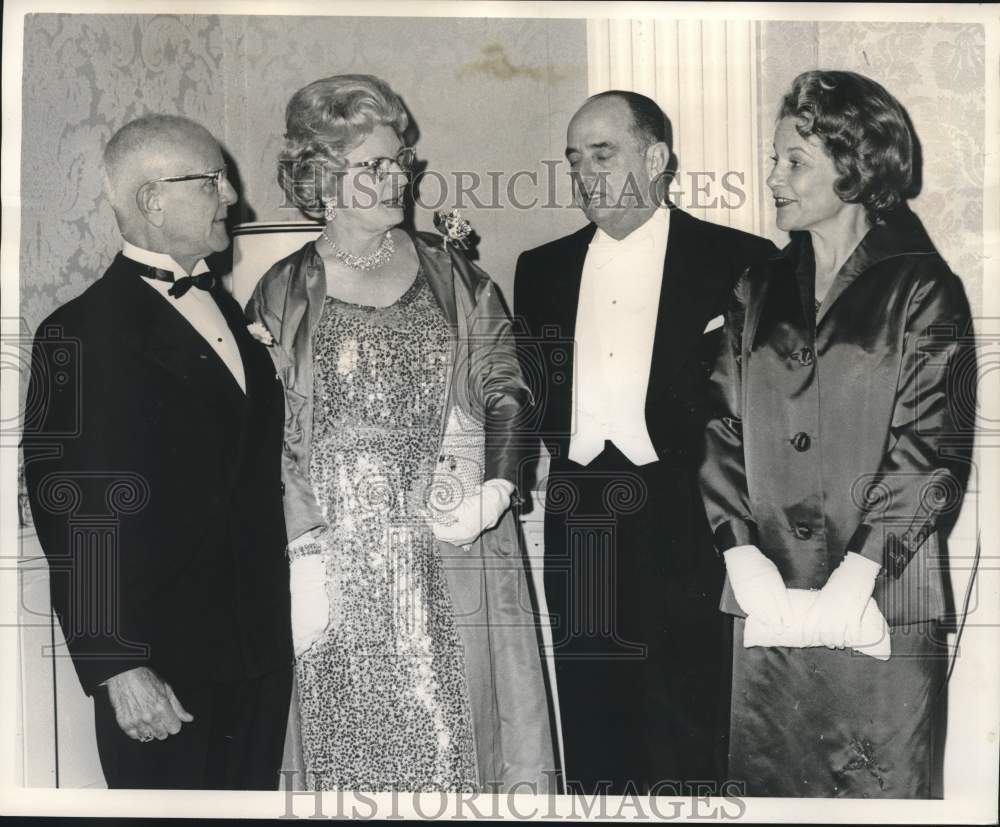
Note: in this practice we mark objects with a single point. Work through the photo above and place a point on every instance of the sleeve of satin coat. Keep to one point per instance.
(525, 327)
(302, 512)
(505, 394)
(496, 385)
(723, 472)
(925, 467)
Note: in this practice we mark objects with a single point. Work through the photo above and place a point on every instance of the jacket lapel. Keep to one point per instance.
(250, 350)
(258, 367)
(436, 264)
(902, 233)
(148, 324)
(568, 275)
(686, 298)
(306, 294)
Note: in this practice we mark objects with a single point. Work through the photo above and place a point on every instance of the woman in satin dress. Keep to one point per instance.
(417, 661)
(838, 457)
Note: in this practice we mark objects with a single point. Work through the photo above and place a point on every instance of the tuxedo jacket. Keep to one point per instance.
(703, 263)
(155, 488)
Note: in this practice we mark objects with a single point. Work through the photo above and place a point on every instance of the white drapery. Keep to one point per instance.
(703, 74)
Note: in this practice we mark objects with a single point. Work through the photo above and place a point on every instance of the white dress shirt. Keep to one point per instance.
(615, 327)
(196, 305)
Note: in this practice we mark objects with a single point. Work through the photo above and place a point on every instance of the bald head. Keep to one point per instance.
(649, 125)
(149, 147)
(165, 177)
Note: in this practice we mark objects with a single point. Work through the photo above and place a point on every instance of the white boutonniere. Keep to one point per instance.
(261, 334)
(454, 228)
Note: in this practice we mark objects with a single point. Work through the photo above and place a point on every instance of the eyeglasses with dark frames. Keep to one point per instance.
(380, 166)
(217, 175)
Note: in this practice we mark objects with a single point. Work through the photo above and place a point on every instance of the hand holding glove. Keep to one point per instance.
(758, 585)
(475, 514)
(836, 615)
(310, 605)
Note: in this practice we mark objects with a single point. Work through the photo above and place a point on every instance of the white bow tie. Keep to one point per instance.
(606, 251)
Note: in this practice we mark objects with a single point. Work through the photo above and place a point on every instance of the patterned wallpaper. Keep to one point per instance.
(486, 94)
(84, 77)
(937, 71)
(490, 94)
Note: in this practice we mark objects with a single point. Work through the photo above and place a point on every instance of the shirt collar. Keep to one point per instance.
(901, 233)
(161, 260)
(655, 228)
(644, 240)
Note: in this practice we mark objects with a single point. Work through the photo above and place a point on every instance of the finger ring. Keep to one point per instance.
(146, 738)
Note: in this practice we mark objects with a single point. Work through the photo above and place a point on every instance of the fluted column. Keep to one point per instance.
(703, 73)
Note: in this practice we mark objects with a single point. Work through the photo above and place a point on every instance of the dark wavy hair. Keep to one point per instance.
(867, 133)
(323, 122)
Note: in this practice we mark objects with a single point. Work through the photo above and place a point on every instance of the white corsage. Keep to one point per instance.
(454, 228)
(261, 334)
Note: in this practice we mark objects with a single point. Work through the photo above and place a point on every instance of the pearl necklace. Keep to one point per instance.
(381, 256)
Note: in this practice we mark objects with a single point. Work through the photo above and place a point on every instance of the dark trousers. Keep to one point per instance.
(641, 649)
(234, 742)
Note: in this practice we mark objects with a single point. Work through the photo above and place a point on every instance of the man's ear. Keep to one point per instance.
(657, 158)
(148, 200)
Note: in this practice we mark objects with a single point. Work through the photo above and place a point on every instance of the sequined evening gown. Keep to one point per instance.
(383, 696)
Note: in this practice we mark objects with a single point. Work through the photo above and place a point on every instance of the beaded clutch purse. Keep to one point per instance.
(460, 463)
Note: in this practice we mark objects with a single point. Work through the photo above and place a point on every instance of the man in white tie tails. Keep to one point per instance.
(625, 316)
(155, 484)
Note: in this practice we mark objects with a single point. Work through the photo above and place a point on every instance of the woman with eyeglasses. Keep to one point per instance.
(417, 662)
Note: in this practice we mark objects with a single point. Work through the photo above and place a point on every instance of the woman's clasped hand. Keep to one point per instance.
(833, 617)
(474, 513)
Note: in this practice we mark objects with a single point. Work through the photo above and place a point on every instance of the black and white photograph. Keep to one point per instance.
(476, 410)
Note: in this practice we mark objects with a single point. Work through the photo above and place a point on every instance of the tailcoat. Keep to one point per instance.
(631, 579)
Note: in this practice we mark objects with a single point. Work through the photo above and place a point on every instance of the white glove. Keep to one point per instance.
(874, 640)
(310, 605)
(758, 585)
(475, 514)
(835, 617)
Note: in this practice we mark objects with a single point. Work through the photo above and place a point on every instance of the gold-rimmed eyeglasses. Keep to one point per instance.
(380, 166)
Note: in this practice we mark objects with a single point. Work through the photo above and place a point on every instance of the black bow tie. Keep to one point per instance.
(203, 281)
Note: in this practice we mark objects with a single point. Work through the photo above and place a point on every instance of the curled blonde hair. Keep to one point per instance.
(323, 122)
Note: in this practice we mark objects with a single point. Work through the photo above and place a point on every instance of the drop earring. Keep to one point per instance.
(329, 213)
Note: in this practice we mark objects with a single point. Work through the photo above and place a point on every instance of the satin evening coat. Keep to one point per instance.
(487, 582)
(849, 429)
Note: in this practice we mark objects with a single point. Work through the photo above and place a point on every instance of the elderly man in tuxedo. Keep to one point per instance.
(152, 457)
(621, 318)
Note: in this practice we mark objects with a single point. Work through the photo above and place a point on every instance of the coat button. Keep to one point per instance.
(802, 531)
(801, 441)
